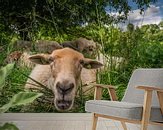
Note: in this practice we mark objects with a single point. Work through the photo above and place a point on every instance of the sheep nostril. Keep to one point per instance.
(70, 87)
(64, 88)
(59, 87)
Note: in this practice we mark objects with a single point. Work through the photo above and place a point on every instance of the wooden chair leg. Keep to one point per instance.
(160, 98)
(144, 126)
(94, 121)
(124, 125)
(146, 110)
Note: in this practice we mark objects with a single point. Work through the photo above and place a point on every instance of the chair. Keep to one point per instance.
(141, 104)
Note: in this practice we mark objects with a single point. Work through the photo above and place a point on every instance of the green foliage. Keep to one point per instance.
(21, 98)
(4, 72)
(161, 24)
(8, 126)
(130, 27)
(27, 17)
(14, 84)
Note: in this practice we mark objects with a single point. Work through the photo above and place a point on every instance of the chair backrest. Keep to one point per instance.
(146, 77)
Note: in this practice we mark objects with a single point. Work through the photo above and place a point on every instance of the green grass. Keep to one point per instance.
(14, 83)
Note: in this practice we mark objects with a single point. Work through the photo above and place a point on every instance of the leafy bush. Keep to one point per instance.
(21, 98)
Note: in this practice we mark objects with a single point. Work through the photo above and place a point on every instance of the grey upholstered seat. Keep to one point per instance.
(131, 106)
(125, 110)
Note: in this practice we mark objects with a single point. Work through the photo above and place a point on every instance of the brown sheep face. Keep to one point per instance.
(66, 65)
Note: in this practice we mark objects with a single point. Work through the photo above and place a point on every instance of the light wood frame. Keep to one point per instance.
(146, 107)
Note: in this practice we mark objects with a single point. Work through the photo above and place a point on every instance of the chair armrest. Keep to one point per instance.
(98, 91)
(148, 88)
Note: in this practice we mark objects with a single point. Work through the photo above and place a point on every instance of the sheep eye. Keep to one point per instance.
(51, 59)
(81, 62)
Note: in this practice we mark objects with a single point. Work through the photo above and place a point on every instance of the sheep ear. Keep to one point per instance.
(91, 64)
(42, 59)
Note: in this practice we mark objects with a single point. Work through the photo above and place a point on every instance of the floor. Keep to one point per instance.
(58, 121)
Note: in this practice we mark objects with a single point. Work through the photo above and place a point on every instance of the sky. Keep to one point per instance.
(152, 15)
